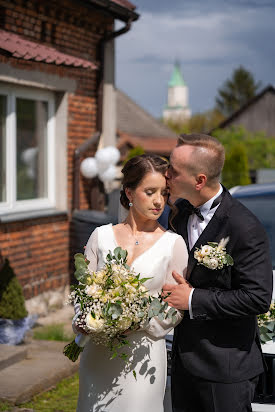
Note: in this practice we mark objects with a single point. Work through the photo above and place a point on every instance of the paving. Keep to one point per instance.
(34, 366)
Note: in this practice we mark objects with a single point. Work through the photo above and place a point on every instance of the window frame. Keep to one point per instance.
(11, 204)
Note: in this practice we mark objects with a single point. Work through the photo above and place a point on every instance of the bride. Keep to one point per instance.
(109, 385)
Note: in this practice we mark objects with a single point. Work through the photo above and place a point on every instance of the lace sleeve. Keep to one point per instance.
(178, 262)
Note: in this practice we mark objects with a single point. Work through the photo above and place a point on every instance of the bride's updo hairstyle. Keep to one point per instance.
(136, 169)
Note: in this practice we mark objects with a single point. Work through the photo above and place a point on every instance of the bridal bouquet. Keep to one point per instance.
(111, 301)
(213, 255)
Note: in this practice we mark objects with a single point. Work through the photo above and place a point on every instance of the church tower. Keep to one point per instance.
(177, 107)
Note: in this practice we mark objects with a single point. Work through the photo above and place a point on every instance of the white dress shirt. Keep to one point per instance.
(195, 227)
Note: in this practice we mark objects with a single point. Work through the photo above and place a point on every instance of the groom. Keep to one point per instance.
(217, 355)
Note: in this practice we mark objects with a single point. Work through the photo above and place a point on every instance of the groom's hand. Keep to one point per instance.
(177, 296)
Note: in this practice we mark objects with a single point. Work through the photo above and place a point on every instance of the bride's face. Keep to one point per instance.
(150, 196)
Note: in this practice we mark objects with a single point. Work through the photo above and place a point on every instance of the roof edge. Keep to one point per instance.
(224, 123)
(117, 10)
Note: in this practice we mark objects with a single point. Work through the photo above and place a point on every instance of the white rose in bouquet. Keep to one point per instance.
(213, 263)
(94, 325)
(93, 290)
(206, 250)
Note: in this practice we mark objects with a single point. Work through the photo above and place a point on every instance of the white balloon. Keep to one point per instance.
(114, 153)
(107, 156)
(109, 174)
(28, 155)
(89, 167)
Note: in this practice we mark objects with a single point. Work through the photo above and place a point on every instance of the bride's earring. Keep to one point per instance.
(130, 204)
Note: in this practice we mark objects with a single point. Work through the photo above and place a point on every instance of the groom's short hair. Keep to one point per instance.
(208, 155)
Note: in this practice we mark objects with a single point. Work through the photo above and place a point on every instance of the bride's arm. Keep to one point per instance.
(91, 254)
(178, 262)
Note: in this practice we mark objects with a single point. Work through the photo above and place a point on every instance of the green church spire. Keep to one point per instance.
(176, 78)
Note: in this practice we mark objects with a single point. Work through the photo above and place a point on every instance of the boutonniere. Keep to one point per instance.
(213, 255)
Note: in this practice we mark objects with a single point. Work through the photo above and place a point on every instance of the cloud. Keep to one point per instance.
(209, 46)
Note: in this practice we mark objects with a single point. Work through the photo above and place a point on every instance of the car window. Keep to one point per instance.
(264, 208)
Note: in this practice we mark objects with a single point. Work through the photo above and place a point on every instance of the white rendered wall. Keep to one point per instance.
(108, 137)
(177, 96)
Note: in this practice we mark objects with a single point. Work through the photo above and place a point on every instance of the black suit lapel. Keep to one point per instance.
(180, 221)
(212, 232)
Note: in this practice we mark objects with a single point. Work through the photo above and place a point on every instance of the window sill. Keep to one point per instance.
(29, 215)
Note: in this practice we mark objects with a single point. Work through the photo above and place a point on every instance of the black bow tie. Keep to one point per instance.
(192, 209)
(184, 206)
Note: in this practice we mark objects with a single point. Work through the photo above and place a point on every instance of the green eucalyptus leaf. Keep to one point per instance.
(79, 255)
(164, 307)
(144, 301)
(229, 260)
(140, 314)
(115, 310)
(161, 316)
(117, 253)
(81, 275)
(171, 312)
(270, 325)
(123, 254)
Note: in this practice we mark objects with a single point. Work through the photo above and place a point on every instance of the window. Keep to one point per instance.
(27, 169)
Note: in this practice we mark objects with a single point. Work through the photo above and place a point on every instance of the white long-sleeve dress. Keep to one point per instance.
(108, 385)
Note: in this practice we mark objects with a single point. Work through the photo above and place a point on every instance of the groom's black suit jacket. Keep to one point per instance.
(221, 342)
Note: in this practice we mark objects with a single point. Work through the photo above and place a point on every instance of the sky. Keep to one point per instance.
(209, 38)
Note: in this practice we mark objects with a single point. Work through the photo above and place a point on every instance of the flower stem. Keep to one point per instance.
(72, 351)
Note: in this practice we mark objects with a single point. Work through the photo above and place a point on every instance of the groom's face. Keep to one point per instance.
(179, 179)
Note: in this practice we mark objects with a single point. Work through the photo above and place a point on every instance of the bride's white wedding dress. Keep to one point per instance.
(107, 385)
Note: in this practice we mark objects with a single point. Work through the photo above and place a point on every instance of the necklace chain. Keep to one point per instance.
(137, 242)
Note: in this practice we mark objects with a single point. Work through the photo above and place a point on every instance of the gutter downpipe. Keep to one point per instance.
(94, 140)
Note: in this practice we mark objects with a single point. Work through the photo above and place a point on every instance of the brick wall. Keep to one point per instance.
(38, 249)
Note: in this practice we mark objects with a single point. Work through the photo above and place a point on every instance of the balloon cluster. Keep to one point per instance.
(103, 164)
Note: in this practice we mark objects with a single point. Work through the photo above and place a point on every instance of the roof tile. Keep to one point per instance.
(29, 50)
(134, 120)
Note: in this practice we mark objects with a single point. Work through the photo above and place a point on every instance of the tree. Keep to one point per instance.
(259, 147)
(235, 171)
(198, 123)
(236, 91)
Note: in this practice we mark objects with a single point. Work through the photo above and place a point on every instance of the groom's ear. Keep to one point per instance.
(201, 180)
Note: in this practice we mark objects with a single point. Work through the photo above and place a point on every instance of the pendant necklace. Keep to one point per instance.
(136, 240)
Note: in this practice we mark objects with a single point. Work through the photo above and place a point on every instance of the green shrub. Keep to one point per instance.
(235, 171)
(135, 151)
(12, 302)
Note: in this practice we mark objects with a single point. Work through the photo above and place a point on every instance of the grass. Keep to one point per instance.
(5, 406)
(63, 398)
(54, 331)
